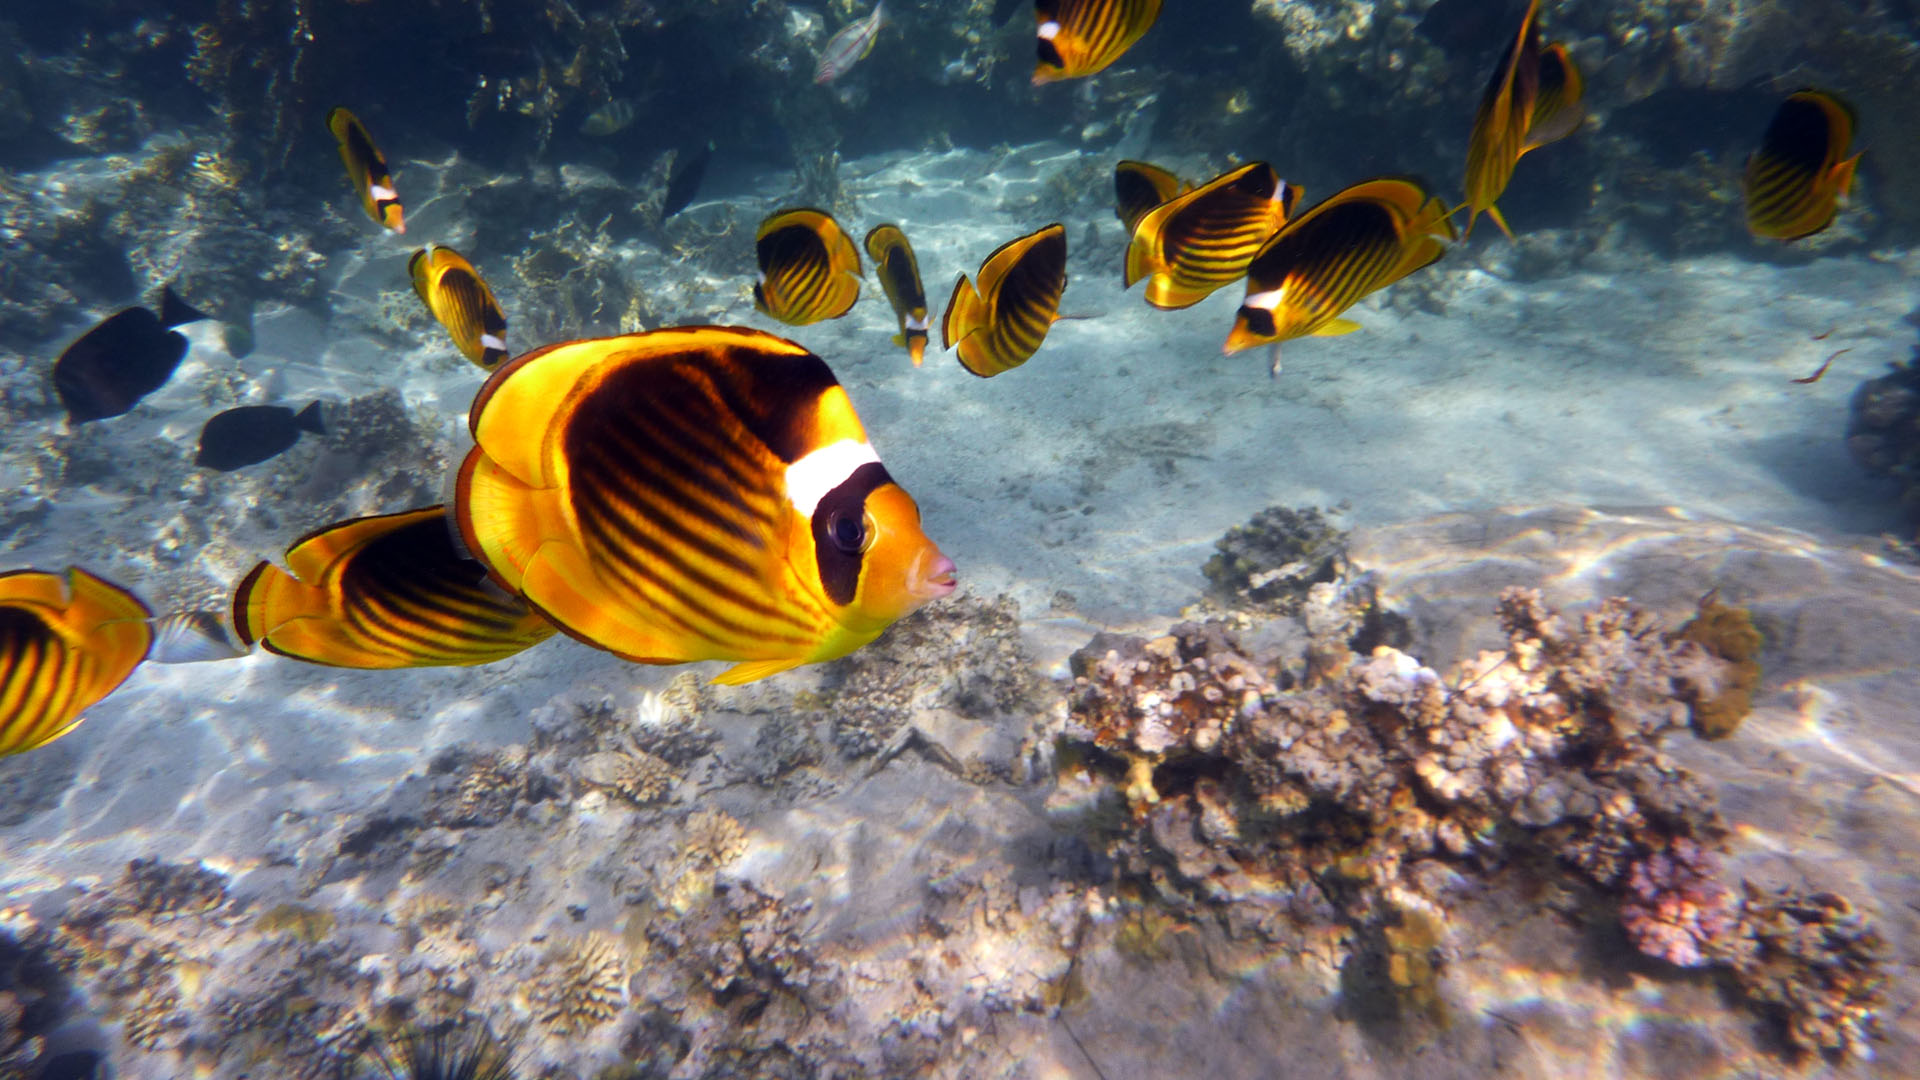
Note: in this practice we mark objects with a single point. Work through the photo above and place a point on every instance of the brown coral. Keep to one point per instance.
(1729, 634)
(582, 985)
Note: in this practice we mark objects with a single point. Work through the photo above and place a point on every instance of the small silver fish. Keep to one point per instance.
(849, 46)
(609, 118)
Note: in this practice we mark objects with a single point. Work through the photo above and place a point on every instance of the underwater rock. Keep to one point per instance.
(1883, 431)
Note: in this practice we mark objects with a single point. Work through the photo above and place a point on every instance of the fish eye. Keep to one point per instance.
(1259, 320)
(849, 534)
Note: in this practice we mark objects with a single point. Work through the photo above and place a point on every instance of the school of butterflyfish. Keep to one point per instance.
(708, 492)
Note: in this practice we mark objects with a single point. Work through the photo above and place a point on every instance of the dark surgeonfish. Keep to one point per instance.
(1198, 242)
(66, 641)
(1797, 181)
(366, 170)
(809, 268)
(1139, 187)
(250, 434)
(129, 355)
(998, 322)
(460, 299)
(388, 591)
(684, 182)
(1536, 96)
(899, 274)
(696, 493)
(1081, 37)
(1361, 240)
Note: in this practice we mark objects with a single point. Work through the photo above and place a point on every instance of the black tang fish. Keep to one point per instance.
(66, 641)
(998, 322)
(1360, 240)
(387, 591)
(1195, 243)
(696, 493)
(1535, 96)
(809, 268)
(900, 275)
(1081, 37)
(684, 182)
(1797, 180)
(460, 299)
(129, 355)
(366, 170)
(250, 434)
(1139, 187)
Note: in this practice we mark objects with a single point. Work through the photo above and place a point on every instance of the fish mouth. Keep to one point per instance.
(937, 581)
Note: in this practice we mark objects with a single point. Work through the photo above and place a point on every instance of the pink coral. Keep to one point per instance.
(1679, 911)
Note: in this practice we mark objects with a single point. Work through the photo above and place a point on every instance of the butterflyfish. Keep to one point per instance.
(809, 268)
(998, 321)
(1535, 96)
(1358, 241)
(1078, 38)
(694, 493)
(66, 641)
(388, 591)
(1798, 179)
(1139, 187)
(900, 275)
(460, 299)
(1197, 242)
(130, 354)
(849, 46)
(250, 434)
(366, 170)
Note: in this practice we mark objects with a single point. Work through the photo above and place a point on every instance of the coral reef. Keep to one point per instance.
(1267, 564)
(1356, 793)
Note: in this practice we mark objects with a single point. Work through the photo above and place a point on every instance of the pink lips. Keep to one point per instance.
(939, 580)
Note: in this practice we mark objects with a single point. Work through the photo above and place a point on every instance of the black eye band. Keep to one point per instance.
(843, 506)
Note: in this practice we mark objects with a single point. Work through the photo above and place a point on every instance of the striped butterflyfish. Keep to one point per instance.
(388, 591)
(1197, 242)
(1139, 187)
(900, 275)
(366, 170)
(694, 493)
(1535, 96)
(1797, 180)
(1358, 241)
(1081, 37)
(460, 299)
(809, 268)
(998, 321)
(66, 641)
